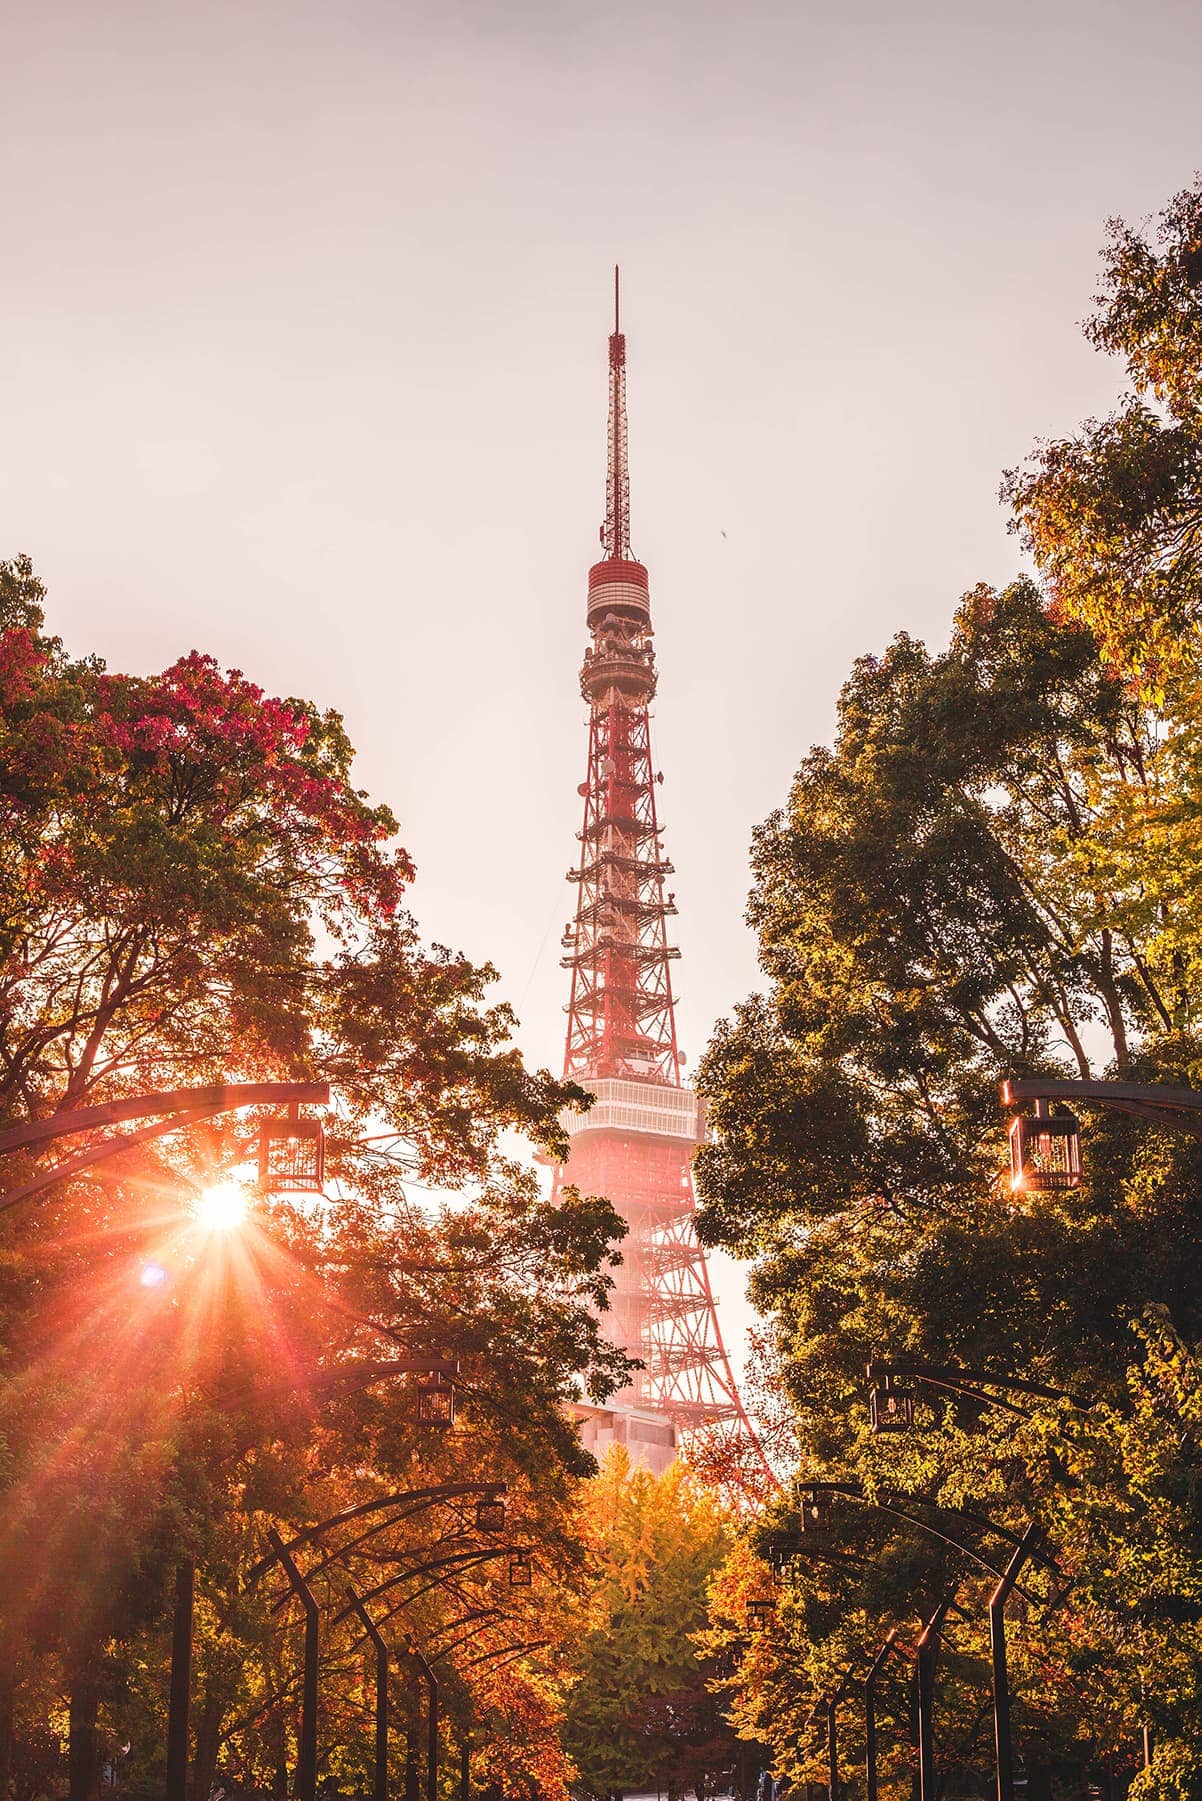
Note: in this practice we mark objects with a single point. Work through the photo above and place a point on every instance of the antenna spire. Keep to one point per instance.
(615, 533)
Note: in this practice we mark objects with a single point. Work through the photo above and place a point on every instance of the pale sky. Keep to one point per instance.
(302, 362)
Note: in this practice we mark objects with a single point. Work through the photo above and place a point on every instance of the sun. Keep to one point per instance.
(221, 1208)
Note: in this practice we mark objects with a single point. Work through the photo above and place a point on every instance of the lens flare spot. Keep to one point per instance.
(153, 1275)
(221, 1208)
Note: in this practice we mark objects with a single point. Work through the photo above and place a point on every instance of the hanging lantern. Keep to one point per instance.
(815, 1511)
(760, 1611)
(521, 1570)
(292, 1155)
(436, 1402)
(890, 1409)
(490, 1516)
(1045, 1151)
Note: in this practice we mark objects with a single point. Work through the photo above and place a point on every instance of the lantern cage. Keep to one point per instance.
(890, 1409)
(521, 1570)
(292, 1154)
(1045, 1152)
(815, 1512)
(760, 1611)
(490, 1516)
(436, 1403)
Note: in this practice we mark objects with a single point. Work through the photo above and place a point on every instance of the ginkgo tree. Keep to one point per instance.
(641, 1711)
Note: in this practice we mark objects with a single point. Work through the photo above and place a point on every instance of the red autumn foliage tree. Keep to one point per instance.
(192, 890)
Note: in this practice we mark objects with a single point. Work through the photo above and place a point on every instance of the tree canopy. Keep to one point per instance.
(991, 873)
(640, 1711)
(193, 890)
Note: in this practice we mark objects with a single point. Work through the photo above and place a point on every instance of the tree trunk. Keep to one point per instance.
(82, 1753)
(1112, 1003)
(208, 1743)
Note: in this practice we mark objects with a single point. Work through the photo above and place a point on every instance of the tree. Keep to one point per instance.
(1114, 513)
(640, 1711)
(1127, 1520)
(990, 873)
(192, 889)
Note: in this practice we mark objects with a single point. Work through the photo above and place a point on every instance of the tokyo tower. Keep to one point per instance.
(636, 1144)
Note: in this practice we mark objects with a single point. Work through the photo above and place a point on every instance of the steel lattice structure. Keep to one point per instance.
(636, 1145)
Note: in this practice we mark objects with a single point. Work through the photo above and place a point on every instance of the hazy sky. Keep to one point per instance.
(302, 362)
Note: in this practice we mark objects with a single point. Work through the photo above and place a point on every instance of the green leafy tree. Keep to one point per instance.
(640, 1712)
(1114, 513)
(992, 873)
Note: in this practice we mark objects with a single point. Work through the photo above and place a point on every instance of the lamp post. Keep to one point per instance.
(976, 1384)
(182, 1106)
(431, 1721)
(877, 1665)
(1003, 1746)
(414, 1500)
(306, 1760)
(356, 1604)
(281, 1553)
(1045, 1148)
(926, 1651)
(1026, 1548)
(832, 1734)
(891, 1409)
(181, 1635)
(380, 1771)
(820, 1492)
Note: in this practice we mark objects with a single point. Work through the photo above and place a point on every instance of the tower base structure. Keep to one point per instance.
(648, 1438)
(636, 1146)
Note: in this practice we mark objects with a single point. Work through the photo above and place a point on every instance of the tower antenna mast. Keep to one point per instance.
(615, 533)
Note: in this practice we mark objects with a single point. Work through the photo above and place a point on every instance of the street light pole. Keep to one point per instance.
(380, 1777)
(957, 1379)
(431, 1722)
(182, 1106)
(1004, 1749)
(927, 1651)
(181, 1682)
(832, 1734)
(888, 1504)
(878, 1664)
(976, 1383)
(306, 1761)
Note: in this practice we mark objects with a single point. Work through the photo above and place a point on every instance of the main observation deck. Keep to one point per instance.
(652, 1109)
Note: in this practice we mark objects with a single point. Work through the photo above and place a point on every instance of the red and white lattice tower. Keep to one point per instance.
(636, 1145)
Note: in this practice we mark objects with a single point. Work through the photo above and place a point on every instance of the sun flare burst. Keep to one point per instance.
(221, 1208)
